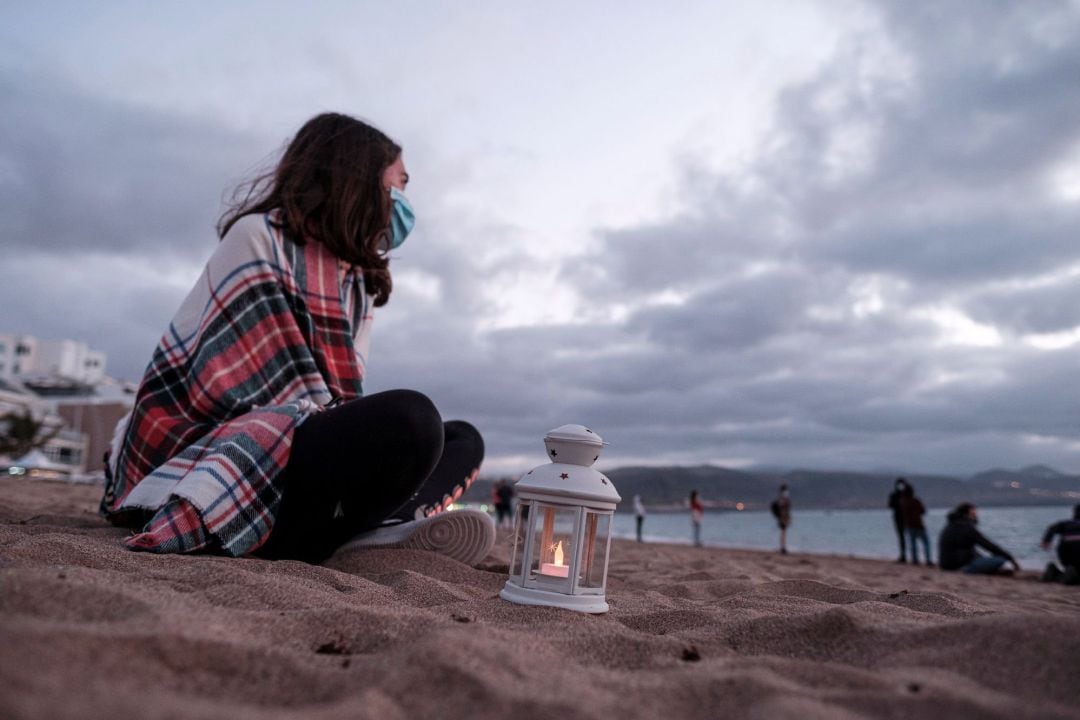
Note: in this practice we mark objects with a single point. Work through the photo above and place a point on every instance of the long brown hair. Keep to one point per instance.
(328, 188)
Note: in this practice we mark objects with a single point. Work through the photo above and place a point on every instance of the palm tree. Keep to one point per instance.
(21, 432)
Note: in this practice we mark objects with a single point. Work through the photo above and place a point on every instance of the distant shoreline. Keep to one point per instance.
(675, 509)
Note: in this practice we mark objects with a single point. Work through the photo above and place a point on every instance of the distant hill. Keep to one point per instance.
(668, 487)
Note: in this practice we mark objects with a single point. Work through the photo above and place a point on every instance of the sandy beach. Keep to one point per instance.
(91, 630)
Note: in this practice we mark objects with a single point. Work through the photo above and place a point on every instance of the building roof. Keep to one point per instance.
(13, 387)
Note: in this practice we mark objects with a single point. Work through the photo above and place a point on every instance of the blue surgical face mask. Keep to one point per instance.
(402, 218)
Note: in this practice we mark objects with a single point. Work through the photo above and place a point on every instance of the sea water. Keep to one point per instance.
(858, 533)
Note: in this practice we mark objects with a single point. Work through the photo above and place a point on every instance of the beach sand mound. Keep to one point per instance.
(91, 630)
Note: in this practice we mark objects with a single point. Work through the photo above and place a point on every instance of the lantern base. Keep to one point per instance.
(595, 604)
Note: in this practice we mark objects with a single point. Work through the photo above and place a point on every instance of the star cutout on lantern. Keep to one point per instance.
(564, 476)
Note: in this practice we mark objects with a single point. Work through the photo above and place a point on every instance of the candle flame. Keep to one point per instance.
(559, 554)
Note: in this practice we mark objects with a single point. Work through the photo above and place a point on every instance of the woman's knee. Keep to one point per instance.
(463, 431)
(408, 412)
(466, 436)
(410, 419)
(403, 397)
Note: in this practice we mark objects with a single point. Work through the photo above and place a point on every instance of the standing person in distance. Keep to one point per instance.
(781, 510)
(898, 516)
(912, 510)
(250, 432)
(697, 514)
(639, 515)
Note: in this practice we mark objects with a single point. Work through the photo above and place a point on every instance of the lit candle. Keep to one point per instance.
(556, 569)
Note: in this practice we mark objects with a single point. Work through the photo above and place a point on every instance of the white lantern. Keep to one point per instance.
(562, 529)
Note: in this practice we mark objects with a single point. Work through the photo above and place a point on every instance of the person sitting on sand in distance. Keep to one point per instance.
(1068, 550)
(956, 546)
(781, 510)
(898, 516)
(912, 510)
(250, 432)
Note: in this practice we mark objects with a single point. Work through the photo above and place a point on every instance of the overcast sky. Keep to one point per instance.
(820, 235)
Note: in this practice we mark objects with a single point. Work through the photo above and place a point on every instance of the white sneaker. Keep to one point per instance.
(464, 535)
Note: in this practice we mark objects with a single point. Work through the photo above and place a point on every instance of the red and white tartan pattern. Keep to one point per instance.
(261, 340)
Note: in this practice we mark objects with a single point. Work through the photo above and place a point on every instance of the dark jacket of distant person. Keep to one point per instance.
(956, 545)
(912, 510)
(1068, 548)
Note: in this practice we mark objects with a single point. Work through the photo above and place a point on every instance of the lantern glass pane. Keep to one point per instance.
(554, 536)
(594, 550)
(521, 520)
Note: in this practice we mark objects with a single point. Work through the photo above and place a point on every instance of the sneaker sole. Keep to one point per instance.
(463, 535)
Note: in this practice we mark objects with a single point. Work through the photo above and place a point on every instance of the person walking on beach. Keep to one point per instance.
(898, 516)
(503, 496)
(912, 510)
(495, 500)
(781, 510)
(697, 514)
(1068, 550)
(250, 432)
(957, 543)
(639, 515)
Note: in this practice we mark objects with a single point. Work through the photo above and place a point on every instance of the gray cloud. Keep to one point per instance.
(84, 174)
(1041, 309)
(109, 209)
(791, 314)
(103, 300)
(812, 278)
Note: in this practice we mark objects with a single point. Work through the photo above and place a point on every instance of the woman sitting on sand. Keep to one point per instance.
(249, 431)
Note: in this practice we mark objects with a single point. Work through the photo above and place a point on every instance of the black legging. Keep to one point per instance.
(1069, 554)
(376, 457)
(898, 522)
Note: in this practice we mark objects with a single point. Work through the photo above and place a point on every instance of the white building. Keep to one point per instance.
(14, 349)
(63, 384)
(24, 356)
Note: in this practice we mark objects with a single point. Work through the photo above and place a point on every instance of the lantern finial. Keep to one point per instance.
(573, 445)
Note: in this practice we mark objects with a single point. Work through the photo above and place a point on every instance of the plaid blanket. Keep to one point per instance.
(263, 339)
